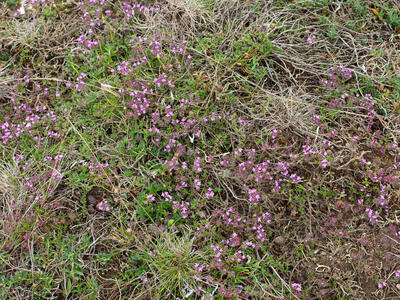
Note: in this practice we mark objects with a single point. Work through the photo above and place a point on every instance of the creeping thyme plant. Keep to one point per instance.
(178, 149)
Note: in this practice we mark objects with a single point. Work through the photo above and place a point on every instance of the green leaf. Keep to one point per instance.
(171, 222)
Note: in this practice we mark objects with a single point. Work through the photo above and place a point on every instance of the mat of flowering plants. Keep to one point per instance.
(199, 149)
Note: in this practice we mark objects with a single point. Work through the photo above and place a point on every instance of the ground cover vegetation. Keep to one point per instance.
(199, 149)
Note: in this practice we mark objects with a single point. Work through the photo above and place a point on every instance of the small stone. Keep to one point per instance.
(92, 200)
(279, 240)
(398, 286)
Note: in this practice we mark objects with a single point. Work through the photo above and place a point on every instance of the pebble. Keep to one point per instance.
(279, 240)
(92, 200)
